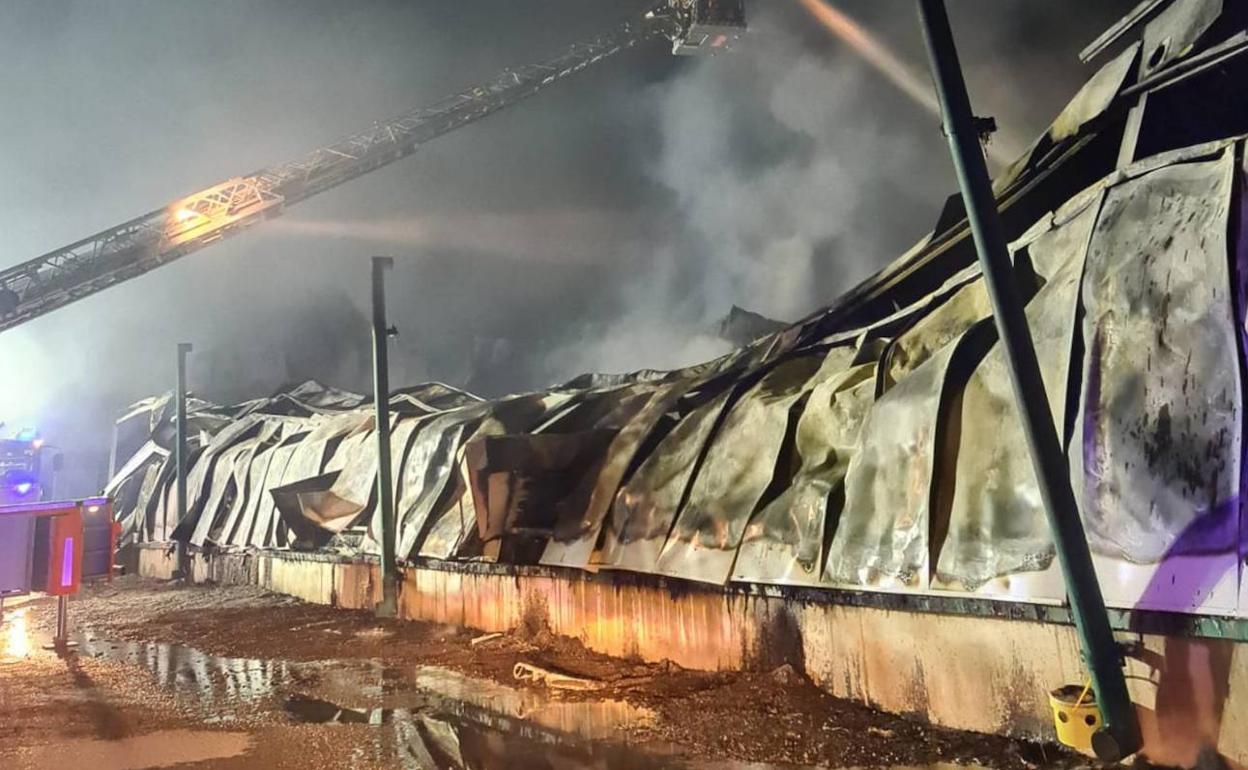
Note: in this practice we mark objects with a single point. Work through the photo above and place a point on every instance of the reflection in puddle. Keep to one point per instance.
(413, 717)
(426, 717)
(16, 634)
(600, 719)
(216, 684)
(159, 749)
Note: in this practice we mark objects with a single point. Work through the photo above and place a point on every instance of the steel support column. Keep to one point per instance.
(181, 452)
(388, 607)
(1120, 735)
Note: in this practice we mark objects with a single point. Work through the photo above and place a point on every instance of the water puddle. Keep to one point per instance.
(220, 687)
(158, 749)
(415, 717)
(424, 716)
(15, 634)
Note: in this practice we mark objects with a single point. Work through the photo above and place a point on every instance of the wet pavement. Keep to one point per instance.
(234, 678)
(420, 717)
(425, 716)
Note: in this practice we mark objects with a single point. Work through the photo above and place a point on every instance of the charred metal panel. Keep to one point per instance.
(1096, 95)
(997, 524)
(1092, 101)
(882, 538)
(244, 531)
(426, 471)
(201, 471)
(309, 456)
(738, 469)
(933, 332)
(142, 522)
(583, 511)
(455, 523)
(522, 484)
(214, 507)
(350, 445)
(356, 484)
(645, 508)
(622, 456)
(300, 505)
(785, 541)
(264, 533)
(1172, 34)
(212, 468)
(224, 535)
(1161, 412)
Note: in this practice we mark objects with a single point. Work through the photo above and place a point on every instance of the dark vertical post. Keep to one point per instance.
(62, 621)
(180, 417)
(1120, 735)
(388, 607)
(181, 454)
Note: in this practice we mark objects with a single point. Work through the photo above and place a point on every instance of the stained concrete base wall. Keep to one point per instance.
(975, 673)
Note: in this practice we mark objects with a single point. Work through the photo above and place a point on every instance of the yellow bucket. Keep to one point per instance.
(1075, 715)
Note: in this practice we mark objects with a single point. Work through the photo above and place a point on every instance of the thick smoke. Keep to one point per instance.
(604, 225)
(798, 170)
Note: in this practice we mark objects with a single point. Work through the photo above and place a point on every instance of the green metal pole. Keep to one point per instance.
(388, 607)
(1120, 735)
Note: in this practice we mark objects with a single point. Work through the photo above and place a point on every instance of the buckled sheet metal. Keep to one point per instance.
(785, 541)
(1161, 412)
(882, 537)
(997, 523)
(737, 470)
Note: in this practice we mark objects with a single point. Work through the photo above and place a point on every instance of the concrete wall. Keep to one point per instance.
(976, 673)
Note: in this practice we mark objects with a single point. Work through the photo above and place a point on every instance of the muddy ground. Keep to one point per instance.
(777, 717)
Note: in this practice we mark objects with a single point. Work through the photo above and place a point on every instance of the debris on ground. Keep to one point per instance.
(527, 672)
(786, 674)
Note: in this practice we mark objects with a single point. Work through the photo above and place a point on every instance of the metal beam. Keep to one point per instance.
(1120, 734)
(388, 607)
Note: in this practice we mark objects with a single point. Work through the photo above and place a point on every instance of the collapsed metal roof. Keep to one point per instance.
(874, 444)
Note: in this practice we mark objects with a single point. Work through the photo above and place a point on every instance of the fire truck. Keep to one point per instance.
(28, 469)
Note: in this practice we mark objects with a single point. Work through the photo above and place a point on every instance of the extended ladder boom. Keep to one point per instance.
(41, 285)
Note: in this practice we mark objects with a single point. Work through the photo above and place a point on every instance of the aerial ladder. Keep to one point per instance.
(46, 283)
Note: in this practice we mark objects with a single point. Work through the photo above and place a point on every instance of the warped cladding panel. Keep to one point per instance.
(621, 456)
(997, 524)
(456, 524)
(1161, 452)
(882, 536)
(223, 534)
(454, 530)
(785, 542)
(577, 531)
(307, 462)
(646, 506)
(736, 472)
(1162, 404)
(579, 514)
(424, 476)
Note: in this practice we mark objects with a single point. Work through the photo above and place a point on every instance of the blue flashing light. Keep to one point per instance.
(27, 434)
(18, 485)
